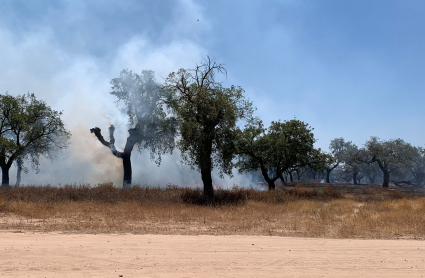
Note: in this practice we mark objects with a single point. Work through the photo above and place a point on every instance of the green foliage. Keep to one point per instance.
(390, 155)
(282, 146)
(417, 165)
(207, 114)
(318, 160)
(29, 129)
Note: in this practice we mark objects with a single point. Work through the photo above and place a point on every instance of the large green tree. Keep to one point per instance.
(282, 146)
(207, 114)
(151, 127)
(29, 130)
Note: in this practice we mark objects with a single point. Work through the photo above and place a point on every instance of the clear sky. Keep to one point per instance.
(350, 69)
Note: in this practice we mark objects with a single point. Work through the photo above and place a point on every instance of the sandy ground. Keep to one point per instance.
(111, 255)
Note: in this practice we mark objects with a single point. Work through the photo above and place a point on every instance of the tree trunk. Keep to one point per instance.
(386, 182)
(208, 186)
(269, 181)
(126, 155)
(384, 169)
(18, 172)
(355, 177)
(5, 176)
(290, 177)
(328, 174)
(206, 167)
(298, 174)
(271, 184)
(126, 162)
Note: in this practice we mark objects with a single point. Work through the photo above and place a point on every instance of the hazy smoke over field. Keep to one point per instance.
(71, 72)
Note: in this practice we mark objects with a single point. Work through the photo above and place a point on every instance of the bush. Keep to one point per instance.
(235, 196)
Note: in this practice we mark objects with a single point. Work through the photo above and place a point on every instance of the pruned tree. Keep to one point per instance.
(282, 146)
(207, 114)
(151, 127)
(390, 155)
(29, 130)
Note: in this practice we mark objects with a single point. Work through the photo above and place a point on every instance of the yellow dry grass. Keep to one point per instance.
(347, 216)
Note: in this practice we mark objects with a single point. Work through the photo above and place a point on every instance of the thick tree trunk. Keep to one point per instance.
(328, 174)
(208, 186)
(290, 177)
(271, 184)
(126, 162)
(18, 172)
(5, 176)
(269, 181)
(384, 169)
(386, 182)
(126, 157)
(355, 177)
(206, 168)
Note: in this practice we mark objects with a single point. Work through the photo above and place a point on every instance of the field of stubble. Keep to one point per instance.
(297, 210)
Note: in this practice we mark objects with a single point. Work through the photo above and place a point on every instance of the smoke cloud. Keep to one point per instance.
(72, 75)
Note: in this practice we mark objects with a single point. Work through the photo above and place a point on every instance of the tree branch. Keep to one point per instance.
(110, 145)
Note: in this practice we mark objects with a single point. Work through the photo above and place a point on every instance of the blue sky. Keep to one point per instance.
(350, 69)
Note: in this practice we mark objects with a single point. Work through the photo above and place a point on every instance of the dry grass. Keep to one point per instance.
(308, 211)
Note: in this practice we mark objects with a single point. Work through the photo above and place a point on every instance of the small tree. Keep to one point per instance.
(337, 147)
(417, 165)
(281, 147)
(390, 155)
(151, 126)
(352, 158)
(207, 114)
(29, 129)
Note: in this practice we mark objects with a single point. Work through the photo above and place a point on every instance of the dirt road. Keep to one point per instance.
(84, 255)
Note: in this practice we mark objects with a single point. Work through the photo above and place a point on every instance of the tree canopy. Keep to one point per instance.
(337, 148)
(207, 115)
(282, 146)
(29, 129)
(390, 155)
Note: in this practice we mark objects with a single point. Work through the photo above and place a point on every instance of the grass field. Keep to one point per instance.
(302, 210)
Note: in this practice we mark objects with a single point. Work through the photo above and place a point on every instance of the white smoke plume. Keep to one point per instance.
(76, 81)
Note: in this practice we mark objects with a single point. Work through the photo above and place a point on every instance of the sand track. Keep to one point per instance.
(111, 255)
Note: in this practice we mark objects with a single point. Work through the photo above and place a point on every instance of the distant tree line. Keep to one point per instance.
(385, 162)
(214, 127)
(377, 161)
